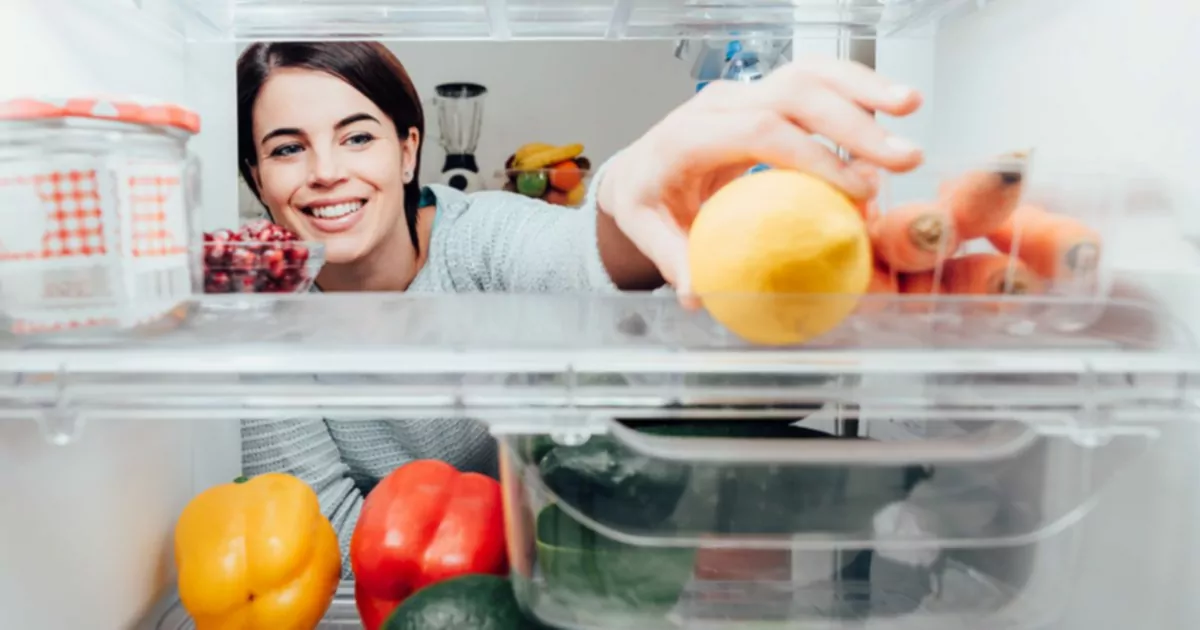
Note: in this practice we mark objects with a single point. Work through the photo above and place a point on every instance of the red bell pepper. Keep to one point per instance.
(424, 523)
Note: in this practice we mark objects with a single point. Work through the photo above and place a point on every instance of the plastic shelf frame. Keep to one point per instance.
(533, 362)
(564, 19)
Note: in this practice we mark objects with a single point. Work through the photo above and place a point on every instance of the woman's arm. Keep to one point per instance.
(305, 449)
(501, 241)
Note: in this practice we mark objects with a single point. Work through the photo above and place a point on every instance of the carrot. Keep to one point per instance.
(883, 282)
(740, 565)
(981, 200)
(918, 283)
(914, 237)
(988, 274)
(1053, 245)
(923, 283)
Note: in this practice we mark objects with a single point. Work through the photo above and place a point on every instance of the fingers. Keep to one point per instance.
(854, 81)
(769, 138)
(821, 110)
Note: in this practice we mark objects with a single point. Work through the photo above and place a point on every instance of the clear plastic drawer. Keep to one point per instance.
(719, 522)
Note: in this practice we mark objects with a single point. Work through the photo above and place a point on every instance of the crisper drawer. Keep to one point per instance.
(718, 523)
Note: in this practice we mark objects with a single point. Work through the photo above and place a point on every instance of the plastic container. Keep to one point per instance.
(100, 203)
(1026, 245)
(951, 518)
(261, 267)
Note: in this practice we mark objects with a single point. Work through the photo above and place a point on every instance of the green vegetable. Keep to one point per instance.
(596, 578)
(624, 489)
(532, 183)
(478, 602)
(613, 484)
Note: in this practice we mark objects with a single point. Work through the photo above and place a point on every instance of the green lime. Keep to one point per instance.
(533, 183)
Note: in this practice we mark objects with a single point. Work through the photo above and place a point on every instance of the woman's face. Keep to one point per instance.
(331, 166)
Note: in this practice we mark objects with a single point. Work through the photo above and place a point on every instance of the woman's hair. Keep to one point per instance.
(368, 67)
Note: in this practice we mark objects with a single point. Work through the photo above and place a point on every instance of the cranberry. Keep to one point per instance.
(258, 257)
(245, 282)
(218, 282)
(296, 253)
(273, 260)
(242, 259)
(291, 280)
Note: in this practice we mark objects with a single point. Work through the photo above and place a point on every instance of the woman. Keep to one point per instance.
(329, 139)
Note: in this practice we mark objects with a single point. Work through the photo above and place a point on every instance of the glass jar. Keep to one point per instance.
(98, 210)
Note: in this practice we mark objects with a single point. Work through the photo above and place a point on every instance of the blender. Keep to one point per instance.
(460, 116)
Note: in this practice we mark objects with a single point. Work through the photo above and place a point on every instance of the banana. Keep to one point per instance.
(547, 157)
(529, 149)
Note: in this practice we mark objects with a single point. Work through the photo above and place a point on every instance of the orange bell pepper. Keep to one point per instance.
(257, 555)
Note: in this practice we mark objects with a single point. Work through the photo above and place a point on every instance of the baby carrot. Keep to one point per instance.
(918, 283)
(914, 237)
(988, 274)
(883, 283)
(981, 200)
(923, 283)
(1053, 245)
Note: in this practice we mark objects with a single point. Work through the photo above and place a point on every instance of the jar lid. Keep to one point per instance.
(141, 112)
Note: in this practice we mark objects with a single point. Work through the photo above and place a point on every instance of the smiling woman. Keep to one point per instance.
(329, 140)
(330, 143)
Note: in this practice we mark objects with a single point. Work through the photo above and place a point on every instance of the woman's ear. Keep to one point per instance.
(410, 148)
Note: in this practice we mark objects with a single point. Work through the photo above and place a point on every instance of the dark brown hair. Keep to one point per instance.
(368, 67)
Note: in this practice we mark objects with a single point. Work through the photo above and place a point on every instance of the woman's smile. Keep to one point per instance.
(334, 215)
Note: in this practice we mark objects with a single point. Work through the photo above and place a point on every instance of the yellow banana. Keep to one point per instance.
(529, 149)
(548, 157)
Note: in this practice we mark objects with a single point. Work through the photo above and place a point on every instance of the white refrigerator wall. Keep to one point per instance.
(85, 538)
(1091, 84)
(1108, 83)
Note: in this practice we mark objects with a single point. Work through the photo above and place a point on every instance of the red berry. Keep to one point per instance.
(242, 259)
(297, 254)
(217, 282)
(244, 282)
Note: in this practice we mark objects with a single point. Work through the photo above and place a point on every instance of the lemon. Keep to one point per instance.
(779, 257)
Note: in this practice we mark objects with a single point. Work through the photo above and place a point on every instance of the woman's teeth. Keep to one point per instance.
(334, 212)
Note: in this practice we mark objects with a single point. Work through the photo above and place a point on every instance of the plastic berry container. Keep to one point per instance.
(259, 258)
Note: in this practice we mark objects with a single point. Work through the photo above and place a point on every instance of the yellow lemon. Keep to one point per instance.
(779, 257)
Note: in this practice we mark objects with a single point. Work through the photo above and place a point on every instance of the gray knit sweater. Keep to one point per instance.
(487, 241)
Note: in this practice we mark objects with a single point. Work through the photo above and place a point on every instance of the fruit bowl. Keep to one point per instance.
(260, 258)
(548, 184)
(555, 174)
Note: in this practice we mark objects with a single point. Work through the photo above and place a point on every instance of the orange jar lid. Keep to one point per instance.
(141, 112)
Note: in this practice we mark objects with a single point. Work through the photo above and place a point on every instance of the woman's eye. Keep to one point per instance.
(359, 139)
(285, 150)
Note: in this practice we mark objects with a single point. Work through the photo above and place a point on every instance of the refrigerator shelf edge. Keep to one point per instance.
(577, 335)
(555, 19)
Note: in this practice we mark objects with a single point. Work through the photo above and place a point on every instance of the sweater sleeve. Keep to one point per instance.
(304, 447)
(509, 242)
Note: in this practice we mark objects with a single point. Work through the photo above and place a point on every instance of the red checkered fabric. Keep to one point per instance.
(22, 327)
(74, 222)
(148, 198)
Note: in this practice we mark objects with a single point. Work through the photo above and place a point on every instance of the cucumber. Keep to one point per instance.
(621, 488)
(597, 578)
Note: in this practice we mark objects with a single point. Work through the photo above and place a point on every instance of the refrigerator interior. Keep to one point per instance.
(1097, 86)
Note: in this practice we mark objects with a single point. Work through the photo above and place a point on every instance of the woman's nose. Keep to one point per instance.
(324, 169)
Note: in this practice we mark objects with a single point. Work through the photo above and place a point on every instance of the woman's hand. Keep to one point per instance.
(654, 187)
